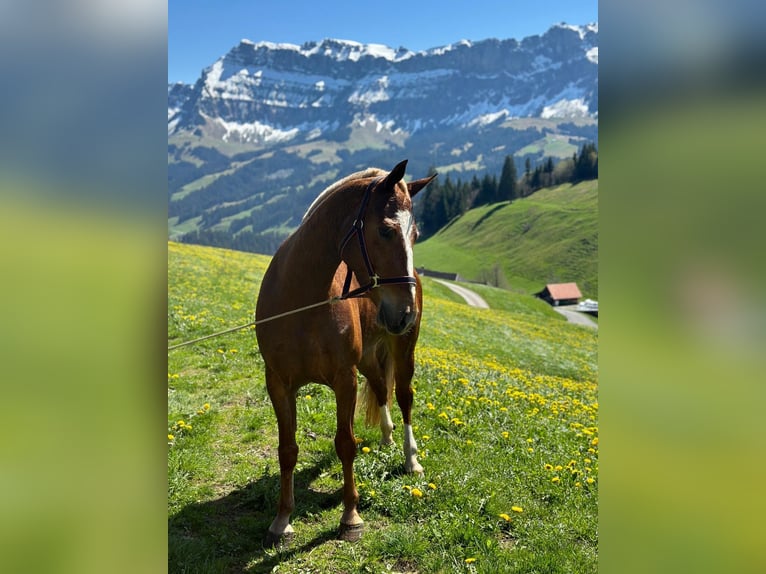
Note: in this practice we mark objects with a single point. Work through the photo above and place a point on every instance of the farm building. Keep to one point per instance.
(560, 294)
(438, 274)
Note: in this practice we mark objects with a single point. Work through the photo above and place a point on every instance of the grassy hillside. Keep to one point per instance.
(505, 416)
(549, 237)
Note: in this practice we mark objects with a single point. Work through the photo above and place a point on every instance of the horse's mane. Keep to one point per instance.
(369, 172)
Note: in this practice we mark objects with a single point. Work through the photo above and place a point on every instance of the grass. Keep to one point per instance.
(548, 237)
(505, 416)
(551, 145)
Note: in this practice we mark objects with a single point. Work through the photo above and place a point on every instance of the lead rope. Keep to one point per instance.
(329, 301)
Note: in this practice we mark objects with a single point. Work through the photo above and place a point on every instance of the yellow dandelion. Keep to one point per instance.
(589, 480)
(430, 406)
(548, 467)
(594, 442)
(587, 461)
(578, 484)
(206, 406)
(425, 437)
(443, 415)
(432, 486)
(530, 440)
(188, 427)
(171, 437)
(505, 517)
(530, 450)
(406, 487)
(180, 423)
(220, 351)
(517, 509)
(559, 467)
(365, 449)
(503, 409)
(416, 492)
(470, 560)
(372, 494)
(505, 434)
(555, 480)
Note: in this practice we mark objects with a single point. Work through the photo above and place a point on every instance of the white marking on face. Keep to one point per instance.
(404, 219)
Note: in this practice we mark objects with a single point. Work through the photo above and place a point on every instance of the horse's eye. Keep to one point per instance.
(386, 232)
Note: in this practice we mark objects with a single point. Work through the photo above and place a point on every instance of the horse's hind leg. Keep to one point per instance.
(351, 524)
(380, 387)
(283, 400)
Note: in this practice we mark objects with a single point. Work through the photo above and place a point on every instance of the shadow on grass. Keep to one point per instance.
(227, 534)
(489, 214)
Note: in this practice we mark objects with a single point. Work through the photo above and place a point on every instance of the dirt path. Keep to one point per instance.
(576, 316)
(471, 297)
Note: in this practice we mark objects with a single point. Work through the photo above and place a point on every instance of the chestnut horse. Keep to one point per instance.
(353, 249)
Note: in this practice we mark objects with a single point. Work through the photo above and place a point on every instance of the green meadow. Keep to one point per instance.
(549, 237)
(505, 415)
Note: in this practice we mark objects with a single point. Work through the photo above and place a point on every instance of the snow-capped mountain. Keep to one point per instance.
(274, 93)
(267, 126)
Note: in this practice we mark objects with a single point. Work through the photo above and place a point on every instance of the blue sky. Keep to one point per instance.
(201, 31)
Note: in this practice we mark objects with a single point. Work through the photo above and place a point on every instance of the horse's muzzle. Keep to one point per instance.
(397, 321)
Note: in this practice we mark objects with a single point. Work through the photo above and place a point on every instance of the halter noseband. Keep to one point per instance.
(357, 229)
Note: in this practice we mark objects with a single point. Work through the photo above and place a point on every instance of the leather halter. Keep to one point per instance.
(357, 229)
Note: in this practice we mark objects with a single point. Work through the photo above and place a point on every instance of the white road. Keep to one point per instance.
(475, 300)
(576, 317)
(471, 297)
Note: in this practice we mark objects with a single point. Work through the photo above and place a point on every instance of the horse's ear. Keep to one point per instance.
(395, 175)
(415, 186)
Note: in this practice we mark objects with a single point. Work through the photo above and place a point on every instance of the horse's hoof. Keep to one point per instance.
(272, 540)
(351, 532)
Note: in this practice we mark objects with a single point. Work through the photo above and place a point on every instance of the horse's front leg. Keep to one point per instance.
(351, 524)
(404, 394)
(283, 400)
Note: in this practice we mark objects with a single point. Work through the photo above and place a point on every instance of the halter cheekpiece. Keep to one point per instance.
(357, 229)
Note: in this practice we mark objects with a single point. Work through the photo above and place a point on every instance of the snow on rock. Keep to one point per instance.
(566, 109)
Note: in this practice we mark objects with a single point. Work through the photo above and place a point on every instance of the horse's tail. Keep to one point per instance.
(372, 408)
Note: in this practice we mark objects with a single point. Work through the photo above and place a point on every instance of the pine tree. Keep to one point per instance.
(507, 189)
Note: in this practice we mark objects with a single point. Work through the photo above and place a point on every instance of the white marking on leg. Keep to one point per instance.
(386, 426)
(411, 463)
(281, 526)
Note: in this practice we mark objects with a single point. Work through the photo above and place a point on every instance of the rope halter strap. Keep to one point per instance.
(357, 228)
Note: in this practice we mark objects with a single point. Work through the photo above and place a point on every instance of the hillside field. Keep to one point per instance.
(548, 237)
(505, 415)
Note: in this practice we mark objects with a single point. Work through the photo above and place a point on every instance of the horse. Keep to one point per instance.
(352, 250)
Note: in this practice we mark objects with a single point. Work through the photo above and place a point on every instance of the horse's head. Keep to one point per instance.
(389, 234)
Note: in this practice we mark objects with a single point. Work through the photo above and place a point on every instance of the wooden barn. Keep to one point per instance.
(560, 294)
